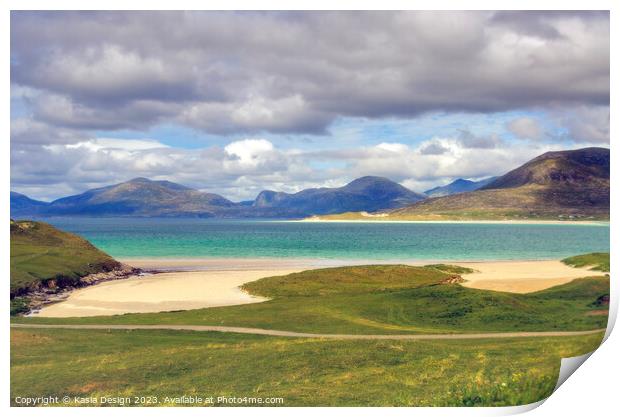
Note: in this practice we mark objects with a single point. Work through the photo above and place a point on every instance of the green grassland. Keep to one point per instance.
(40, 253)
(308, 372)
(597, 261)
(374, 299)
(388, 299)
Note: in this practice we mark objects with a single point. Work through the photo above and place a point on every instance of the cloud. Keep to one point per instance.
(469, 140)
(119, 144)
(393, 147)
(348, 88)
(433, 148)
(526, 128)
(244, 72)
(243, 168)
(250, 152)
(586, 124)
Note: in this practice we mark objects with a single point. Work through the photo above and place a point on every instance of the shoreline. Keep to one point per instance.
(199, 283)
(380, 219)
(205, 263)
(165, 291)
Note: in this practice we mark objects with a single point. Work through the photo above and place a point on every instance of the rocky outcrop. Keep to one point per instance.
(51, 291)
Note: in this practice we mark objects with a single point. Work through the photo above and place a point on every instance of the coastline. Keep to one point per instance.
(204, 263)
(168, 291)
(511, 222)
(185, 284)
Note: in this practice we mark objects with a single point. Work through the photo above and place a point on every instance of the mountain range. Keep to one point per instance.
(147, 198)
(363, 194)
(563, 184)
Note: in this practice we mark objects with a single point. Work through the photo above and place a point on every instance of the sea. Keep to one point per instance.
(208, 238)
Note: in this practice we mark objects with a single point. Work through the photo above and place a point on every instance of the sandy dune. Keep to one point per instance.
(521, 276)
(200, 283)
(160, 292)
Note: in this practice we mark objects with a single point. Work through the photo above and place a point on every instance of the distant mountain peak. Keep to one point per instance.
(163, 183)
(459, 185)
(369, 179)
(140, 179)
(576, 167)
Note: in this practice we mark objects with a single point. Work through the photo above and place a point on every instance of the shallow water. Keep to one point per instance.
(188, 238)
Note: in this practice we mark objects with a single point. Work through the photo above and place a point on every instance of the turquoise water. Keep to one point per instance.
(186, 238)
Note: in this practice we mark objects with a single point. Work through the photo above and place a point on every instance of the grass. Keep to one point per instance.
(452, 269)
(346, 280)
(375, 299)
(381, 299)
(309, 372)
(40, 254)
(597, 261)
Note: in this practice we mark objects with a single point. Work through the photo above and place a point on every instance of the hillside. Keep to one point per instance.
(554, 186)
(458, 186)
(43, 256)
(363, 194)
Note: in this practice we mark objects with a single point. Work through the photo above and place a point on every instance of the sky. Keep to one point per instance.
(239, 102)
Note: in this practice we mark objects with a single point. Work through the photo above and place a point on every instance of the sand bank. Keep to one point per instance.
(386, 219)
(521, 276)
(161, 292)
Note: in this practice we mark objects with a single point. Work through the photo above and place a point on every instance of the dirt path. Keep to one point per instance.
(266, 332)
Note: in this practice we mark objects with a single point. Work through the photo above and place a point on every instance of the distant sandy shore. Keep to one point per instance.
(201, 283)
(383, 219)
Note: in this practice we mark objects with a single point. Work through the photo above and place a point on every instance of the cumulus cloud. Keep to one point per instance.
(433, 148)
(297, 72)
(243, 168)
(254, 80)
(470, 140)
(526, 128)
(586, 124)
(113, 143)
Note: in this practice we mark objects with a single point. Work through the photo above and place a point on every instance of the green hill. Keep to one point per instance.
(43, 256)
(597, 261)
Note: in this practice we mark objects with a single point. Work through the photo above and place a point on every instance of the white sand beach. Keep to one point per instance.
(161, 292)
(521, 276)
(215, 282)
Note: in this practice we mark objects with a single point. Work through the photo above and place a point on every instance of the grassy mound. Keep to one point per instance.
(598, 261)
(40, 253)
(349, 280)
